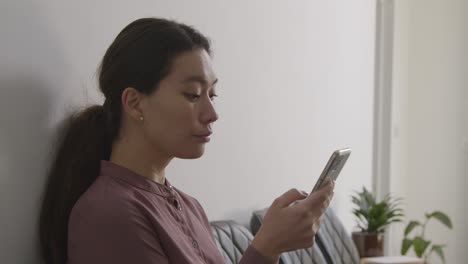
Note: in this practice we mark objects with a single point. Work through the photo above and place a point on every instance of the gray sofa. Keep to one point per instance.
(333, 244)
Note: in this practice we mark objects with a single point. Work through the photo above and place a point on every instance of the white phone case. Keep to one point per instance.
(333, 167)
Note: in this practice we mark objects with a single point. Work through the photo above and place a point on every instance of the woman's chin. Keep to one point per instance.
(194, 153)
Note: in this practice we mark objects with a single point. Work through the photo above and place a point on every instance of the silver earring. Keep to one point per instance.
(141, 118)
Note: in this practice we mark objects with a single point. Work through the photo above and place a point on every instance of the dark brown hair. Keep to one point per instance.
(139, 57)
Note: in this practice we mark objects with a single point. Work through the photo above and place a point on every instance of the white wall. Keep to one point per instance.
(430, 160)
(296, 82)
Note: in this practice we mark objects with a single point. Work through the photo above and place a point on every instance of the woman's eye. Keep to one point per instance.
(192, 97)
(213, 96)
(196, 97)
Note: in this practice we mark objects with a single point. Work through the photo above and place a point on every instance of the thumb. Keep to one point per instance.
(289, 197)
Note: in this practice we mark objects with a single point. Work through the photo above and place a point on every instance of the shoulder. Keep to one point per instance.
(110, 225)
(106, 201)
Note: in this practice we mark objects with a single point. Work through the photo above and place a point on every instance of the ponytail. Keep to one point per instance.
(83, 144)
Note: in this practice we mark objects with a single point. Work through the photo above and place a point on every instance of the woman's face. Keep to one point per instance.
(178, 116)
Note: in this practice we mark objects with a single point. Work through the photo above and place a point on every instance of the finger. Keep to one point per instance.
(328, 187)
(326, 204)
(304, 195)
(288, 198)
(329, 198)
(320, 196)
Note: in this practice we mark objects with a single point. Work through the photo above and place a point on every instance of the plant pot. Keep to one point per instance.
(369, 244)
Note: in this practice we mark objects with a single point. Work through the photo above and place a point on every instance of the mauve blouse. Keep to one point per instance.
(126, 218)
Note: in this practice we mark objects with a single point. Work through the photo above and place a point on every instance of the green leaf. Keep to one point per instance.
(406, 245)
(439, 250)
(443, 218)
(375, 215)
(411, 226)
(420, 246)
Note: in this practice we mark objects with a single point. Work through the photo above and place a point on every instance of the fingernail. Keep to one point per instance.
(304, 193)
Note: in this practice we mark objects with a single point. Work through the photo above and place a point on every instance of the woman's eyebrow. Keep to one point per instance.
(199, 79)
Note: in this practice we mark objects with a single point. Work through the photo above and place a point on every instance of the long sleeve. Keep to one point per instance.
(251, 256)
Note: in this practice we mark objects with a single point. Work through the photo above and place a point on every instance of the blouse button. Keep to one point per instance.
(195, 243)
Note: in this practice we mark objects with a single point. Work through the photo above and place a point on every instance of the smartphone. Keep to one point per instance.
(333, 167)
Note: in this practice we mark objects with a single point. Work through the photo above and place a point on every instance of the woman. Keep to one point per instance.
(108, 200)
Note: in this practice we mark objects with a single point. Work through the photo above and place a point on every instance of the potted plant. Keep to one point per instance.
(372, 219)
(423, 247)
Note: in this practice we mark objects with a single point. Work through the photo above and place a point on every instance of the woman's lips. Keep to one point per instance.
(205, 138)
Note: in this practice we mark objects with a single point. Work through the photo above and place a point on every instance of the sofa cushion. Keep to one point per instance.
(337, 241)
(337, 246)
(232, 239)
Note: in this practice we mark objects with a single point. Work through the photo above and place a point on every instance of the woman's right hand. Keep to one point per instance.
(287, 226)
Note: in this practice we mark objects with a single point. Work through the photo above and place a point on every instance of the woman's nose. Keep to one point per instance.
(209, 114)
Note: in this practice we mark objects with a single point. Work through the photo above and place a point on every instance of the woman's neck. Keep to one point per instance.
(140, 160)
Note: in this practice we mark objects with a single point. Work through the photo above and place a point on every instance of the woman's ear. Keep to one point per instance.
(132, 101)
